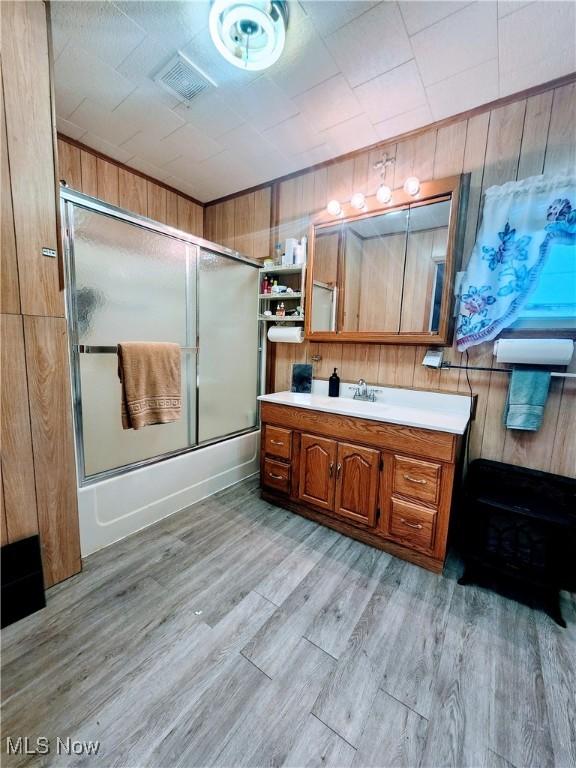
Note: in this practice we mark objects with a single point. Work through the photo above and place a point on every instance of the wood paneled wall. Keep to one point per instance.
(38, 465)
(243, 223)
(523, 138)
(94, 175)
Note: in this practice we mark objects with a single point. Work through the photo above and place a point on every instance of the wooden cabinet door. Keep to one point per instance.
(318, 471)
(357, 473)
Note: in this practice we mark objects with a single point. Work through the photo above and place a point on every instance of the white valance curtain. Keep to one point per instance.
(522, 220)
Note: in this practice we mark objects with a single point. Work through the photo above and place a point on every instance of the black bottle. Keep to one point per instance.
(334, 385)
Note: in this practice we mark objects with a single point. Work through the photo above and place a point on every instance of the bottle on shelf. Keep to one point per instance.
(278, 254)
(281, 310)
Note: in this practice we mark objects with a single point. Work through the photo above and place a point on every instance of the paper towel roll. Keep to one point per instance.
(535, 351)
(291, 334)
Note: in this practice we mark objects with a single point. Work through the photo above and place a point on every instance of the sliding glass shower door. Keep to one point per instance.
(128, 280)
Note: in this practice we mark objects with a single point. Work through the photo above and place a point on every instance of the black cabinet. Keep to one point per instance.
(22, 580)
(518, 532)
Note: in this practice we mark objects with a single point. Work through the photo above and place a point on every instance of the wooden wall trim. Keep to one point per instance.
(124, 167)
(379, 145)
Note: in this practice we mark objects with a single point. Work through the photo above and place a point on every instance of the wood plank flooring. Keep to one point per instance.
(238, 634)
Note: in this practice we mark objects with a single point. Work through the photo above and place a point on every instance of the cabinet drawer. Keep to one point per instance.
(278, 442)
(276, 475)
(412, 525)
(416, 479)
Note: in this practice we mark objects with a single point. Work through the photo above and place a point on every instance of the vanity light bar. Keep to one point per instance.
(383, 195)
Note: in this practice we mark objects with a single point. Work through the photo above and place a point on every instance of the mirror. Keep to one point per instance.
(385, 273)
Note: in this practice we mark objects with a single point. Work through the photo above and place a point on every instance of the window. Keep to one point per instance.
(552, 305)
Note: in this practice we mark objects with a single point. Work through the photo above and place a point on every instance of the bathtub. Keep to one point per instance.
(116, 507)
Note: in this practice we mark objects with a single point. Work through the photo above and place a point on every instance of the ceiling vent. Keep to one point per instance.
(183, 79)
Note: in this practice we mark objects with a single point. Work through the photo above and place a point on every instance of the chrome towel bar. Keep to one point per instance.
(88, 349)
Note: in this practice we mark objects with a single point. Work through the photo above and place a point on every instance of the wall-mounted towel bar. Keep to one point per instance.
(88, 349)
(503, 370)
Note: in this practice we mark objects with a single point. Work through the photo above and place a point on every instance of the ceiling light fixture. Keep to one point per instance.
(412, 186)
(358, 201)
(249, 33)
(334, 208)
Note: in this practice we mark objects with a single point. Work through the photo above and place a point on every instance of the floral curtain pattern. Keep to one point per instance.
(521, 222)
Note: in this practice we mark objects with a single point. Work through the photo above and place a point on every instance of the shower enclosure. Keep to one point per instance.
(132, 279)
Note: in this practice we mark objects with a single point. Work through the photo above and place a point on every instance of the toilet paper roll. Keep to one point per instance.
(535, 351)
(290, 335)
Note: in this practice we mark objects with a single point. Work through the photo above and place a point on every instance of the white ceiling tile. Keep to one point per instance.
(393, 93)
(329, 103)
(106, 148)
(350, 135)
(102, 123)
(371, 44)
(145, 60)
(329, 15)
(209, 112)
(67, 100)
(305, 61)
(312, 156)
(461, 41)
(98, 27)
(408, 121)
(158, 122)
(419, 14)
(152, 151)
(245, 141)
(69, 129)
(537, 43)
(150, 169)
(465, 90)
(79, 75)
(262, 103)
(226, 164)
(294, 136)
(156, 94)
(192, 143)
(173, 24)
(506, 7)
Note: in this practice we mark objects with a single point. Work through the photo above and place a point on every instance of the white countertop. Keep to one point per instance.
(407, 407)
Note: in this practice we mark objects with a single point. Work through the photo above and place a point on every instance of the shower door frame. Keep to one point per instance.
(70, 198)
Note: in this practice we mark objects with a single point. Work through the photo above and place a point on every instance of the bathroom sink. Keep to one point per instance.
(407, 407)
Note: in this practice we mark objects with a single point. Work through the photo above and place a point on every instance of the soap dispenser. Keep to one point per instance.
(334, 384)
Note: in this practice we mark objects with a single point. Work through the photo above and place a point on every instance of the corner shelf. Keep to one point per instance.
(283, 269)
(265, 299)
(279, 296)
(284, 319)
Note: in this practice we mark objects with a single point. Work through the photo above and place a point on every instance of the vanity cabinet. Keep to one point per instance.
(388, 485)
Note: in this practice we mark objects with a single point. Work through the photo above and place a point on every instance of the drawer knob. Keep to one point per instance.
(415, 480)
(275, 477)
(276, 442)
(418, 526)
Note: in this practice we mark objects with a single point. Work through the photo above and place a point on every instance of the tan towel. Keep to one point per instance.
(150, 377)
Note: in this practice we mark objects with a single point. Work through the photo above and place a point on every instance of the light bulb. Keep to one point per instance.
(412, 186)
(358, 200)
(383, 194)
(334, 208)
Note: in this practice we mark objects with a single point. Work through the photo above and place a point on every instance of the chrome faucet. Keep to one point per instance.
(361, 392)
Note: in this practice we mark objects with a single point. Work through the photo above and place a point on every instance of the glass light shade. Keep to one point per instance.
(412, 186)
(383, 194)
(249, 34)
(334, 208)
(358, 200)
